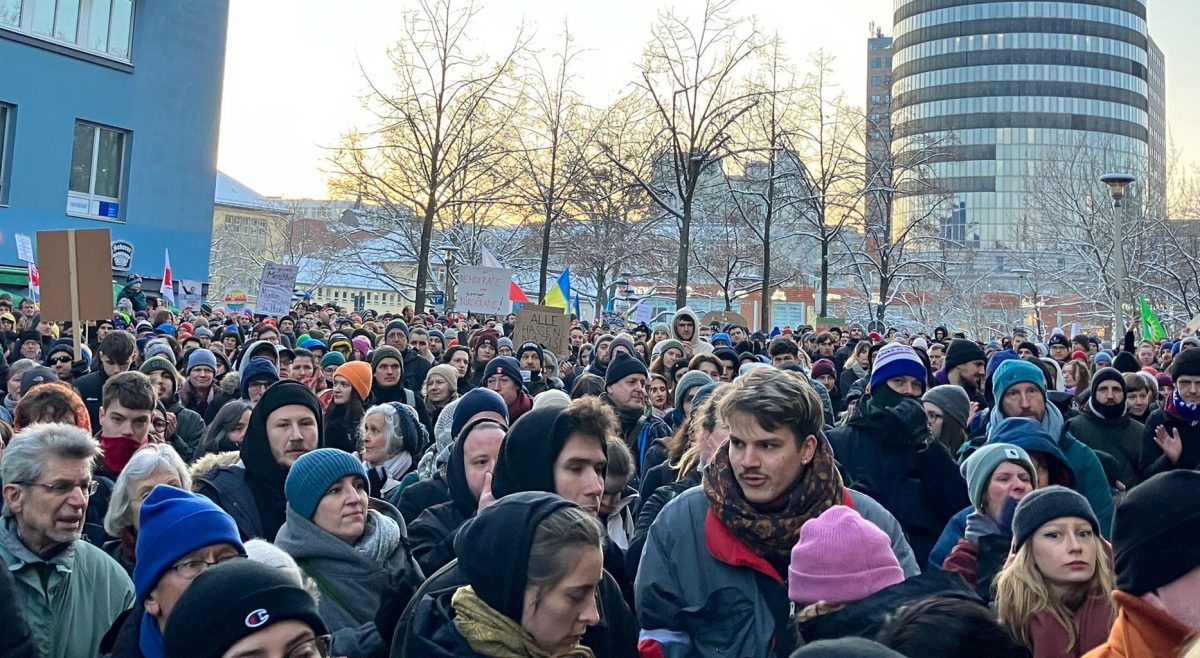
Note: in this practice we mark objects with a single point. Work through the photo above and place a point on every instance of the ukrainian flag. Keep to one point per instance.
(560, 292)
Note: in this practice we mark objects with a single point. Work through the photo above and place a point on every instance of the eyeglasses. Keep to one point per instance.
(160, 425)
(192, 568)
(317, 647)
(65, 487)
(61, 359)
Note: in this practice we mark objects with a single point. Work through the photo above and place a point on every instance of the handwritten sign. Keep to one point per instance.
(548, 326)
(275, 291)
(24, 247)
(483, 290)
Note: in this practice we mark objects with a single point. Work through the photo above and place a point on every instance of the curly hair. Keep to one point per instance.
(55, 402)
(590, 417)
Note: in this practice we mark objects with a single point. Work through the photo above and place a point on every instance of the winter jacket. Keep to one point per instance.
(138, 299)
(91, 390)
(1141, 630)
(886, 454)
(702, 592)
(123, 639)
(865, 618)
(432, 535)
(652, 505)
(1152, 461)
(657, 476)
(227, 487)
(69, 600)
(189, 428)
(17, 640)
(350, 582)
(420, 496)
(980, 563)
(1121, 438)
(426, 627)
(415, 369)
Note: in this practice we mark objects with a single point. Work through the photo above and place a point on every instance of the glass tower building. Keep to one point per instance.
(1017, 84)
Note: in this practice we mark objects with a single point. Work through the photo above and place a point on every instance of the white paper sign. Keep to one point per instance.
(190, 293)
(483, 290)
(24, 247)
(275, 291)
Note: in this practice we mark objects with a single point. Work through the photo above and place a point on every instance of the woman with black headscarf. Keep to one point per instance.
(542, 604)
(286, 422)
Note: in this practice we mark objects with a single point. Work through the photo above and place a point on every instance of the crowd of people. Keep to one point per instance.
(332, 483)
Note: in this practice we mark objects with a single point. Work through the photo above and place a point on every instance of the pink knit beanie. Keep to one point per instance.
(841, 558)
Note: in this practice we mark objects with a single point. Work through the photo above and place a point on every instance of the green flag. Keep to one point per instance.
(1152, 329)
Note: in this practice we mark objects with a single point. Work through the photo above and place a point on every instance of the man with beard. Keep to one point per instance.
(396, 334)
(189, 425)
(1103, 424)
(625, 391)
(387, 366)
(965, 365)
(68, 590)
(600, 356)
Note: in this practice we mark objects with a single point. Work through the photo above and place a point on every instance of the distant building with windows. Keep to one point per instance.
(1017, 85)
(879, 121)
(109, 114)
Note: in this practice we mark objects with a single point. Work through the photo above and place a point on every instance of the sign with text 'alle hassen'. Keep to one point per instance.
(546, 325)
(76, 277)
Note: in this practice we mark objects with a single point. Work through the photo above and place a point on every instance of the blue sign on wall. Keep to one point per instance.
(110, 209)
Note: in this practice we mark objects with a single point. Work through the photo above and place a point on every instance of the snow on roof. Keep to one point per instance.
(230, 192)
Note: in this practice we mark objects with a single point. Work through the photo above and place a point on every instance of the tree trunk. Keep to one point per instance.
(545, 262)
(824, 278)
(681, 277)
(601, 291)
(423, 256)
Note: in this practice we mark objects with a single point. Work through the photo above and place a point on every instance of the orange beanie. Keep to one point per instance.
(358, 373)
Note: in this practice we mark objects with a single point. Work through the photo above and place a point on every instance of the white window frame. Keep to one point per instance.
(90, 197)
(83, 27)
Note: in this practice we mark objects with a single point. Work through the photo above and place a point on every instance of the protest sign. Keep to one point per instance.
(190, 293)
(75, 272)
(483, 290)
(275, 291)
(724, 317)
(546, 325)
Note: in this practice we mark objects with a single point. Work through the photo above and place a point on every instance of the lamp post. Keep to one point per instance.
(1036, 302)
(1117, 183)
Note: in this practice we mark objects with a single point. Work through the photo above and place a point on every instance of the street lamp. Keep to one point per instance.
(1036, 302)
(1117, 182)
(447, 262)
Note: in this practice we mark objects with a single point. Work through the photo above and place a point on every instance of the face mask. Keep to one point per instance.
(118, 450)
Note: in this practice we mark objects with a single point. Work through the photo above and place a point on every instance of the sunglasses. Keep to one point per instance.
(61, 359)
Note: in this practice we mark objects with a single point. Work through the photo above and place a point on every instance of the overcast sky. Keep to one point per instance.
(294, 68)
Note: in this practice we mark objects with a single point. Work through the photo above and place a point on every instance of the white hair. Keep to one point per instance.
(149, 460)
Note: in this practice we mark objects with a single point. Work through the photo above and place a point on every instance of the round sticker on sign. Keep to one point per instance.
(257, 618)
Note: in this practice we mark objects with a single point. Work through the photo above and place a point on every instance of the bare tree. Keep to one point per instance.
(438, 142)
(280, 233)
(689, 80)
(553, 146)
(826, 150)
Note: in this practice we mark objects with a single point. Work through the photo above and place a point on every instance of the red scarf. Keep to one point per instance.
(118, 450)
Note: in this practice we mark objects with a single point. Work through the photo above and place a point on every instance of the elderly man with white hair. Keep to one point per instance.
(69, 590)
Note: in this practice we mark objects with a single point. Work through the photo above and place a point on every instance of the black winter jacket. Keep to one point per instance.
(887, 454)
(1152, 460)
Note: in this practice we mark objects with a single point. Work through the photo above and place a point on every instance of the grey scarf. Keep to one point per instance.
(981, 525)
(380, 537)
(10, 403)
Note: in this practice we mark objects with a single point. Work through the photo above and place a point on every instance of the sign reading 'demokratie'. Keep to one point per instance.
(483, 290)
(546, 325)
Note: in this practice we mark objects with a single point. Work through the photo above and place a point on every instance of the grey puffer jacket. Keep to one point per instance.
(701, 592)
(350, 582)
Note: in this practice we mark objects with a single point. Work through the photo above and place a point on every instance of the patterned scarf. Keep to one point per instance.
(492, 634)
(773, 534)
(1180, 410)
(380, 537)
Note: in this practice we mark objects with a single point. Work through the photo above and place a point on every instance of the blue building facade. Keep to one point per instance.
(109, 115)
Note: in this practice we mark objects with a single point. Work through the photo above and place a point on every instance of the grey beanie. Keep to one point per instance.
(690, 379)
(952, 400)
(1042, 506)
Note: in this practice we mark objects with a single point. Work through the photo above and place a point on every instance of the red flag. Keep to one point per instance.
(516, 294)
(35, 280)
(167, 289)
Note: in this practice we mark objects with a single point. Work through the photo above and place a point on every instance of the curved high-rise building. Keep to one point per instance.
(1017, 83)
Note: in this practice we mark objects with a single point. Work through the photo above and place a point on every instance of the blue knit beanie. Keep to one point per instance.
(166, 328)
(312, 344)
(173, 523)
(1101, 356)
(260, 369)
(313, 473)
(997, 359)
(897, 360)
(1015, 371)
(201, 357)
(503, 365)
(721, 336)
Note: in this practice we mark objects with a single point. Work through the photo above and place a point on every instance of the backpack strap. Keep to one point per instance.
(328, 590)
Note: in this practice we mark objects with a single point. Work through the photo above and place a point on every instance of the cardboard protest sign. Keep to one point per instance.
(546, 325)
(275, 291)
(75, 269)
(483, 290)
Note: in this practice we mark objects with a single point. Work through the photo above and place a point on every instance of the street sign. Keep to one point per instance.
(437, 298)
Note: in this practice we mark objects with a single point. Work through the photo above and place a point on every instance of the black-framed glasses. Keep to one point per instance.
(192, 568)
(160, 425)
(317, 647)
(64, 487)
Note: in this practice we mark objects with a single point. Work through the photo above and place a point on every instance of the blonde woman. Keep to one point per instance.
(1053, 594)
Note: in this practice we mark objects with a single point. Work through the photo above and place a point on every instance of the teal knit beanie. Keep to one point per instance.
(978, 468)
(1015, 371)
(313, 473)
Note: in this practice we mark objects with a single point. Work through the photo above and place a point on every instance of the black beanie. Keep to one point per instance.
(1027, 345)
(234, 600)
(846, 647)
(1126, 362)
(385, 352)
(1186, 364)
(622, 366)
(1044, 505)
(962, 351)
(505, 366)
(1155, 532)
(530, 345)
(502, 536)
(475, 402)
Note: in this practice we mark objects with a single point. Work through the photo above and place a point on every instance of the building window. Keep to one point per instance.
(875, 80)
(875, 62)
(103, 27)
(5, 113)
(97, 166)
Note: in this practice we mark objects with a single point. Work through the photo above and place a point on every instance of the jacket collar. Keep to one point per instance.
(1143, 630)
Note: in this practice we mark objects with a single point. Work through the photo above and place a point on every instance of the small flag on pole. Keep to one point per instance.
(1152, 329)
(560, 292)
(167, 289)
(35, 282)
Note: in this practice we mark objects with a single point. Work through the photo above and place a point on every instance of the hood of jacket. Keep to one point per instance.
(527, 454)
(686, 311)
(211, 462)
(1028, 434)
